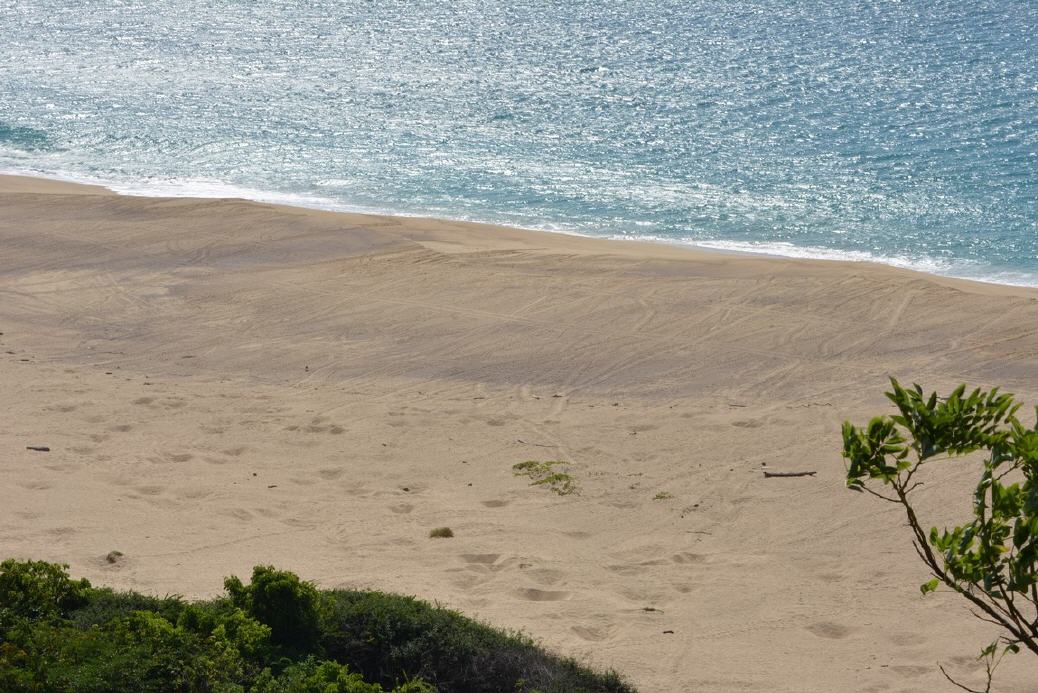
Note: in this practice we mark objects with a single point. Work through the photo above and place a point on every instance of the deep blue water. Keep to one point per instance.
(905, 132)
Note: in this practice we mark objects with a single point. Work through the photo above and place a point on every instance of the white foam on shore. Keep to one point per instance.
(207, 188)
(194, 187)
(959, 269)
(214, 189)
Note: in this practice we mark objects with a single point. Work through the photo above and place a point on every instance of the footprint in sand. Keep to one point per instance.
(482, 562)
(193, 493)
(61, 533)
(827, 629)
(531, 594)
(465, 581)
(489, 562)
(495, 503)
(685, 558)
(911, 670)
(593, 633)
(480, 558)
(545, 576)
(121, 428)
(402, 508)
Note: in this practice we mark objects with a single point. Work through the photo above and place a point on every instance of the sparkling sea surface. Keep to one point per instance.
(904, 132)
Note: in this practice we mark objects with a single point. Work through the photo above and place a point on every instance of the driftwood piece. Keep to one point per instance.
(539, 445)
(768, 474)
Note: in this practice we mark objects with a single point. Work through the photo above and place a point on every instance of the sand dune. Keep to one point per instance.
(224, 383)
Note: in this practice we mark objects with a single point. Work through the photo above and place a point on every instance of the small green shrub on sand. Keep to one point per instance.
(441, 533)
(663, 495)
(533, 468)
(277, 634)
(559, 482)
(543, 474)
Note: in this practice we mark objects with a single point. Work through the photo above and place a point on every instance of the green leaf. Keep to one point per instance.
(991, 557)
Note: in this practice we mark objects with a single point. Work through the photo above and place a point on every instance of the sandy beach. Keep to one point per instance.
(224, 383)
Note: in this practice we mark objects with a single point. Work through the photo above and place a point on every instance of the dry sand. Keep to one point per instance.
(224, 383)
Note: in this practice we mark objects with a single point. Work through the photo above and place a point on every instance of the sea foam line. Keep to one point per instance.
(958, 269)
(215, 189)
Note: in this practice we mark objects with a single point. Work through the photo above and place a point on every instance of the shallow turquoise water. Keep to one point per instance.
(905, 132)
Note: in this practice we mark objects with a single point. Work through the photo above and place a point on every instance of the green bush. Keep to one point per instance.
(141, 652)
(103, 604)
(282, 601)
(36, 589)
(311, 676)
(277, 634)
(383, 635)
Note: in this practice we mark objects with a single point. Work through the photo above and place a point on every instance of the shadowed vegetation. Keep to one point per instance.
(277, 634)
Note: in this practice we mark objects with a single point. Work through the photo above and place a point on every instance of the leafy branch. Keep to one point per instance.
(991, 560)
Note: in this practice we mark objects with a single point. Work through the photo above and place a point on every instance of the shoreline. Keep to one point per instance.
(224, 383)
(291, 200)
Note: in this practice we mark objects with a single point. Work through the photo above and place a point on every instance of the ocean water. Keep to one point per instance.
(903, 132)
